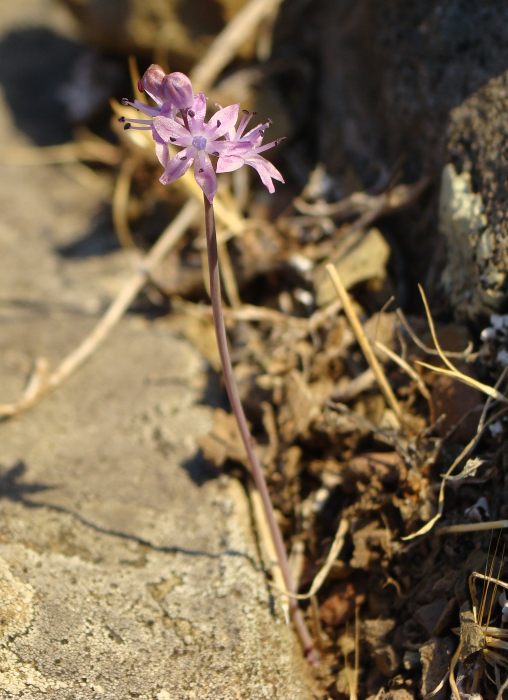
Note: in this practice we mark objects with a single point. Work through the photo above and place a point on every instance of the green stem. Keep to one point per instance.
(247, 439)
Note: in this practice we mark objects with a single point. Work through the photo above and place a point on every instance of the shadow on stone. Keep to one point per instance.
(98, 240)
(35, 64)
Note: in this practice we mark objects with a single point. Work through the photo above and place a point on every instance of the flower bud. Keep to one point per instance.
(151, 82)
(178, 89)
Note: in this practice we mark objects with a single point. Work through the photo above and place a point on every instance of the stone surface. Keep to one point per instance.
(410, 87)
(128, 569)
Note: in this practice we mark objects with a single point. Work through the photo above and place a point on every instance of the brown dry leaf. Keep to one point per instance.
(383, 654)
(454, 400)
(363, 260)
(386, 467)
(223, 442)
(435, 657)
(339, 606)
(367, 542)
(302, 404)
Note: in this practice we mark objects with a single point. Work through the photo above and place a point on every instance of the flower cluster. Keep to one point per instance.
(179, 119)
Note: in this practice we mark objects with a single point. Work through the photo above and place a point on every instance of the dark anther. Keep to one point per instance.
(218, 122)
(172, 139)
(216, 153)
(124, 101)
(191, 113)
(245, 111)
(121, 119)
(183, 158)
(127, 126)
(201, 170)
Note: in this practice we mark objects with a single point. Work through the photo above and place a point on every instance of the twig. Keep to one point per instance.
(132, 287)
(120, 203)
(363, 341)
(227, 43)
(472, 527)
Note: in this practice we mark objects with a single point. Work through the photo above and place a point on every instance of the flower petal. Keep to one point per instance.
(222, 121)
(198, 112)
(170, 130)
(162, 153)
(228, 163)
(205, 175)
(265, 170)
(177, 166)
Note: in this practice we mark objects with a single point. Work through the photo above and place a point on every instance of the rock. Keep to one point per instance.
(425, 82)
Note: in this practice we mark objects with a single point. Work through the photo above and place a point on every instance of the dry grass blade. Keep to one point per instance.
(36, 390)
(472, 527)
(406, 367)
(120, 203)
(227, 43)
(483, 424)
(453, 371)
(320, 578)
(363, 341)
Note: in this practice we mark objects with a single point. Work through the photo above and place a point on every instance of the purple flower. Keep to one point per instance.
(179, 120)
(245, 150)
(198, 140)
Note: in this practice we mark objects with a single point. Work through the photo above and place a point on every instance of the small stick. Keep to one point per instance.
(472, 527)
(227, 43)
(363, 340)
(120, 203)
(114, 313)
(247, 439)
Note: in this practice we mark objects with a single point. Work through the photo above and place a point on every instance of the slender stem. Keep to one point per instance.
(247, 439)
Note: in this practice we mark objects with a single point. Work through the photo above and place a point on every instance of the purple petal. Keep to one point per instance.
(228, 163)
(265, 170)
(170, 130)
(205, 175)
(222, 121)
(162, 153)
(177, 166)
(198, 112)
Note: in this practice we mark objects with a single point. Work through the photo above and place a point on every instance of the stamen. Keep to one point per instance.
(183, 158)
(121, 119)
(172, 139)
(127, 126)
(191, 113)
(218, 122)
(124, 101)
(216, 153)
(201, 170)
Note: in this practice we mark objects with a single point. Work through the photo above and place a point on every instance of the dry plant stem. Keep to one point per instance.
(237, 408)
(114, 313)
(226, 44)
(363, 341)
